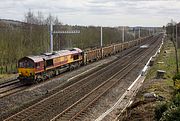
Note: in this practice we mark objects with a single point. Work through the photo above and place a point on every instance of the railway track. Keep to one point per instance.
(80, 106)
(77, 108)
(12, 81)
(10, 87)
(56, 105)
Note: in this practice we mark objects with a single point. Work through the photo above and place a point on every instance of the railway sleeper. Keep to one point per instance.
(71, 113)
(78, 118)
(63, 119)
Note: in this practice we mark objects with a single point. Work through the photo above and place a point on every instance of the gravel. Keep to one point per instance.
(108, 100)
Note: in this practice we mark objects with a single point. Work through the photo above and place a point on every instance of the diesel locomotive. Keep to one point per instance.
(36, 68)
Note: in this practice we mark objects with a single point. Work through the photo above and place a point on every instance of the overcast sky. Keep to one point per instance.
(97, 12)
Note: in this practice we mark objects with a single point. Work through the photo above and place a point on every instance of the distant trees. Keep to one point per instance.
(39, 19)
(22, 40)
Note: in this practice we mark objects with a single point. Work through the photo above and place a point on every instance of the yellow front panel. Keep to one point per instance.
(26, 71)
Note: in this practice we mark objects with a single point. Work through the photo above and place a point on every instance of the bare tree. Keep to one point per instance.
(57, 22)
(40, 18)
(50, 19)
(29, 17)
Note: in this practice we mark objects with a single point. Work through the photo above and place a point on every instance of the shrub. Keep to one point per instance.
(172, 114)
(176, 100)
(160, 109)
(176, 77)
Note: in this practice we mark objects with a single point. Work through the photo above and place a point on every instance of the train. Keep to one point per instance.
(33, 69)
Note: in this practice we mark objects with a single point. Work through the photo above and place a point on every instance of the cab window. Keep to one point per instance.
(21, 64)
(37, 65)
(26, 64)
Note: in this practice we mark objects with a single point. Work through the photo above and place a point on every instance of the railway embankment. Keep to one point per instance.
(155, 98)
(7, 77)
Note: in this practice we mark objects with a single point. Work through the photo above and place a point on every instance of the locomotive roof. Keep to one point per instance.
(63, 53)
(36, 58)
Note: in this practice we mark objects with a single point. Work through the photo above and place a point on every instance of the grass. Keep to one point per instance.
(162, 87)
(165, 61)
(5, 77)
(7, 72)
(8, 69)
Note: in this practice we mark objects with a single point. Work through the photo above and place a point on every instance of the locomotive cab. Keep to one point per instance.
(26, 69)
(29, 68)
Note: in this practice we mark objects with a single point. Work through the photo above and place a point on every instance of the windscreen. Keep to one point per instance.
(26, 64)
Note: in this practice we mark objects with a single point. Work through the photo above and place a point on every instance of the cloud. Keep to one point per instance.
(89, 12)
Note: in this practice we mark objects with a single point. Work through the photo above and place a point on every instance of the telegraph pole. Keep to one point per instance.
(101, 42)
(175, 47)
(123, 34)
(153, 31)
(177, 63)
(51, 37)
(101, 37)
(134, 34)
(139, 32)
(176, 36)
